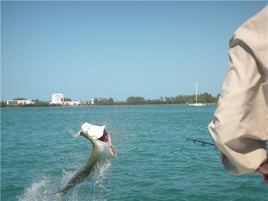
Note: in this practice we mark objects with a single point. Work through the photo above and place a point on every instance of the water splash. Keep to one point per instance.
(39, 191)
(100, 171)
(99, 176)
(36, 192)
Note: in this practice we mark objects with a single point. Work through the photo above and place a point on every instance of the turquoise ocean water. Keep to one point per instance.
(39, 153)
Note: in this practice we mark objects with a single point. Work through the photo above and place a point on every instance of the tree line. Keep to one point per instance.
(134, 100)
(180, 99)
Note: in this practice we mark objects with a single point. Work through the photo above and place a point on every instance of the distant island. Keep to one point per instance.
(132, 100)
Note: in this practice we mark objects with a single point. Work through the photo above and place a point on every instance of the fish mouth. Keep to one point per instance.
(105, 137)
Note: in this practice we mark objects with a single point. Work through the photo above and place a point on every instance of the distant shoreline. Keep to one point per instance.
(132, 100)
(81, 106)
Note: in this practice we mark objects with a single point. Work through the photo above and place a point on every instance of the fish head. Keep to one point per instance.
(97, 134)
(92, 132)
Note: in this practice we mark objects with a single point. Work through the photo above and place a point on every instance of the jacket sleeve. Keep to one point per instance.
(240, 124)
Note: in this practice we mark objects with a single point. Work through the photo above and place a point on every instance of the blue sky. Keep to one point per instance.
(116, 49)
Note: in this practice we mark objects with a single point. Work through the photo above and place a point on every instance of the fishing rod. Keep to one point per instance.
(201, 142)
(265, 176)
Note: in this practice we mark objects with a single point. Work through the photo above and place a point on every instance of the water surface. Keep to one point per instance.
(155, 162)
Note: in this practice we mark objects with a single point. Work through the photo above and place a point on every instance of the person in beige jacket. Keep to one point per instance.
(240, 124)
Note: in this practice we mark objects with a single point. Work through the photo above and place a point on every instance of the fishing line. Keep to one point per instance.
(202, 142)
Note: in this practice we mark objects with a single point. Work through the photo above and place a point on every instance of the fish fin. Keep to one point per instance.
(113, 150)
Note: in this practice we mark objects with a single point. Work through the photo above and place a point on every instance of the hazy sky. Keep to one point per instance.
(116, 49)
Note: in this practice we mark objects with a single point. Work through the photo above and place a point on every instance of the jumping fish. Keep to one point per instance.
(102, 149)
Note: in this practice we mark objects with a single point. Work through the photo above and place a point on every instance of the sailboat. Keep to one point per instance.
(197, 104)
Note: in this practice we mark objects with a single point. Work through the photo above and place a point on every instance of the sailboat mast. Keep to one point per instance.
(196, 101)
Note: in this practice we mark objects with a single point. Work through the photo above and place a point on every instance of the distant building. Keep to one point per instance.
(57, 98)
(19, 102)
(71, 103)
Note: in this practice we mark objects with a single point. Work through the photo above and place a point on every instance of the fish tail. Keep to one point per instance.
(77, 178)
(63, 191)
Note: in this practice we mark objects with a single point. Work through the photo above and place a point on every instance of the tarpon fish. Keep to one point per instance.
(102, 150)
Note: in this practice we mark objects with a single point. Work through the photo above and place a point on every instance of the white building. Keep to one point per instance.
(57, 98)
(92, 102)
(71, 103)
(19, 102)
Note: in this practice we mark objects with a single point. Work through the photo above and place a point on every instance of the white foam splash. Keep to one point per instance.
(37, 191)
(100, 172)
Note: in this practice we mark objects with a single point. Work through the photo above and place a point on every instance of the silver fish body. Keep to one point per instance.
(102, 150)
